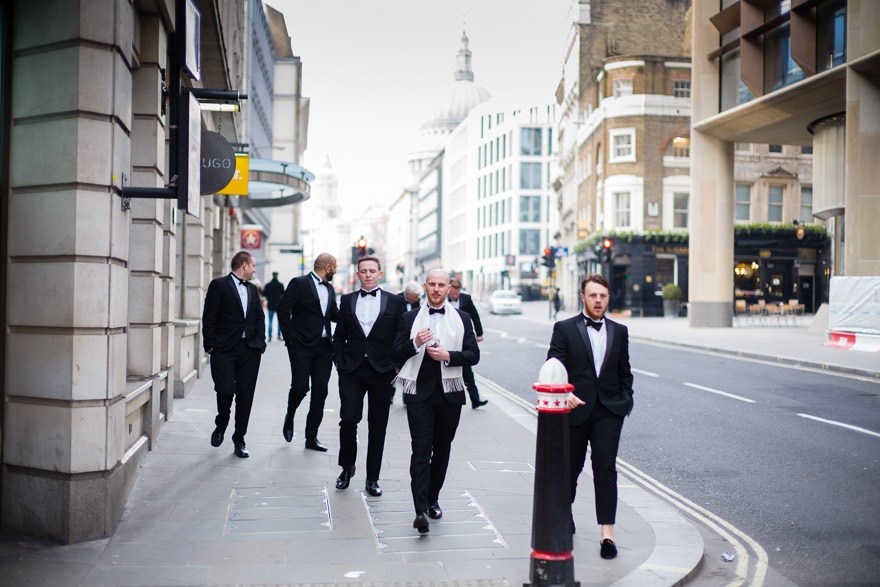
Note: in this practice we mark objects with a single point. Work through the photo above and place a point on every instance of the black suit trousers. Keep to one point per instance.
(467, 373)
(235, 377)
(309, 363)
(432, 426)
(377, 387)
(601, 430)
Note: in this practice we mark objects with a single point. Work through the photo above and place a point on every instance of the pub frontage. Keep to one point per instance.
(773, 263)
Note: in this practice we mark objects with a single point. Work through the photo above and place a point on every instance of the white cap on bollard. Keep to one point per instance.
(552, 373)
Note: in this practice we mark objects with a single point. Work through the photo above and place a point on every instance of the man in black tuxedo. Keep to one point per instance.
(234, 334)
(305, 312)
(464, 302)
(595, 351)
(365, 329)
(411, 295)
(431, 346)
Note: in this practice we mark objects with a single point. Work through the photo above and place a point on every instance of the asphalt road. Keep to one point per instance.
(789, 457)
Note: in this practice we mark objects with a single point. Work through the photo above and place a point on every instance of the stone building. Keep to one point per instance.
(103, 295)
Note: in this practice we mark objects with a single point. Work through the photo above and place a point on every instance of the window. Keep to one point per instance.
(742, 147)
(623, 145)
(681, 88)
(830, 34)
(780, 70)
(807, 150)
(622, 87)
(530, 141)
(743, 202)
(530, 176)
(775, 148)
(774, 203)
(681, 147)
(529, 241)
(806, 214)
(530, 208)
(680, 209)
(621, 210)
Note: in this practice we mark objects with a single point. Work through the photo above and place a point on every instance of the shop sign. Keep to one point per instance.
(251, 238)
(765, 254)
(239, 184)
(680, 250)
(218, 162)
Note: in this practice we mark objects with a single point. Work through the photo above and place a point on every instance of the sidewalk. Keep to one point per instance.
(801, 345)
(200, 516)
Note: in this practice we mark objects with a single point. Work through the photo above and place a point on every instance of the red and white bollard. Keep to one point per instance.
(552, 563)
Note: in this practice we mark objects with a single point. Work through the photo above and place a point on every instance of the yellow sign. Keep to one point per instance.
(239, 184)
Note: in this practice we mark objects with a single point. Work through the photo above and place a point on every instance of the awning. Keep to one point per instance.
(276, 183)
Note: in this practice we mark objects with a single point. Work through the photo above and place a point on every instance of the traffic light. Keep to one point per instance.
(549, 258)
(606, 250)
(358, 250)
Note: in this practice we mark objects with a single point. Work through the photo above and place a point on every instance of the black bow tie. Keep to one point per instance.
(365, 293)
(436, 310)
(593, 323)
(240, 281)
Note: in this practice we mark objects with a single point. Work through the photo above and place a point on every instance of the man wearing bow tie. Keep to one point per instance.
(305, 312)
(234, 334)
(365, 328)
(432, 346)
(595, 351)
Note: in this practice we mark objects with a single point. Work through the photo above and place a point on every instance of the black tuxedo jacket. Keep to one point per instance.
(223, 320)
(570, 344)
(407, 306)
(299, 312)
(429, 372)
(351, 346)
(466, 304)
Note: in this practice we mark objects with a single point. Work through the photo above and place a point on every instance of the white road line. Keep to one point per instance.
(647, 373)
(841, 424)
(724, 393)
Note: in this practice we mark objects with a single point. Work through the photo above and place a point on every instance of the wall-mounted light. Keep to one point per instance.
(220, 106)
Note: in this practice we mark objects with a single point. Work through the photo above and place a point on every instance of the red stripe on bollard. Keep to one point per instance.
(551, 396)
(552, 556)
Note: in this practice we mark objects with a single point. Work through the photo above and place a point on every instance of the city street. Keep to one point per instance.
(785, 458)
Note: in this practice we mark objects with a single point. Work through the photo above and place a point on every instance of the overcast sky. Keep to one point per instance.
(376, 70)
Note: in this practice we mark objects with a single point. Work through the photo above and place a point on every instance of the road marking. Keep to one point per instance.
(724, 393)
(841, 424)
(648, 373)
(739, 540)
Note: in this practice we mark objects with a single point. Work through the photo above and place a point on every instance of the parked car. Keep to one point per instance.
(505, 301)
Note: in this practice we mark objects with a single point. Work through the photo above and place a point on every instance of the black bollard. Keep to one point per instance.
(552, 563)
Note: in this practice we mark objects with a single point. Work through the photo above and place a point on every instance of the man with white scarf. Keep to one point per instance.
(432, 345)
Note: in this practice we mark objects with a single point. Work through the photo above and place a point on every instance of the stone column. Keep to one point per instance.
(710, 256)
(66, 471)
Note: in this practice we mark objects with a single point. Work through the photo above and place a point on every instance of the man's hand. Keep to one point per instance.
(574, 401)
(479, 339)
(423, 336)
(437, 352)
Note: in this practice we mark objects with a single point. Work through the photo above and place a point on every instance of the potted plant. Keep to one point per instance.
(671, 294)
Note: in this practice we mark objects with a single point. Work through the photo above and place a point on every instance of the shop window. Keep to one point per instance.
(747, 279)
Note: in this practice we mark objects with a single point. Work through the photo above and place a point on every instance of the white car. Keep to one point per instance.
(505, 301)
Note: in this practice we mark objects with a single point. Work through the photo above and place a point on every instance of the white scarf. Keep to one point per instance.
(449, 330)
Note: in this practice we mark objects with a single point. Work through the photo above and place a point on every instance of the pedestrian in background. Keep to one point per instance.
(366, 325)
(273, 292)
(305, 312)
(432, 345)
(464, 302)
(234, 334)
(595, 352)
(411, 294)
(557, 302)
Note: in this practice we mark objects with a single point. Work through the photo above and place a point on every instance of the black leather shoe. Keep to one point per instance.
(608, 551)
(287, 428)
(421, 524)
(345, 478)
(479, 404)
(434, 511)
(241, 451)
(373, 488)
(217, 436)
(315, 444)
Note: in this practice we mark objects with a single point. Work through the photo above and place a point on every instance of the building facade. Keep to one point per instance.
(102, 321)
(789, 72)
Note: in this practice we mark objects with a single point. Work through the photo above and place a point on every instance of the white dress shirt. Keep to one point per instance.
(598, 341)
(323, 298)
(367, 310)
(241, 288)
